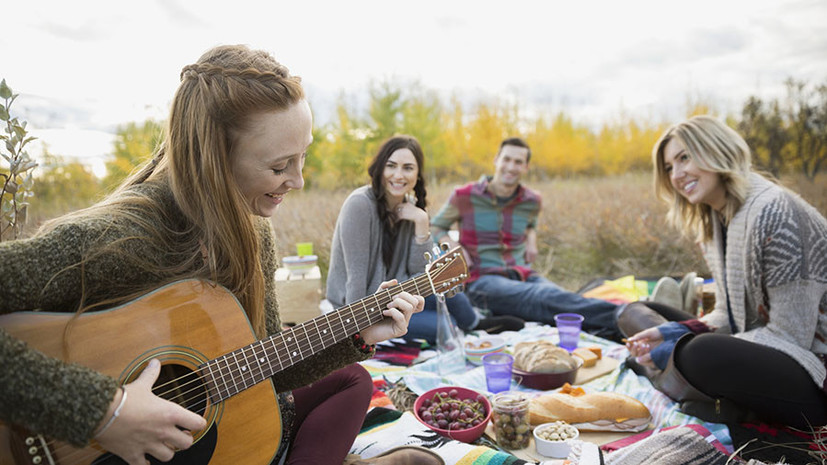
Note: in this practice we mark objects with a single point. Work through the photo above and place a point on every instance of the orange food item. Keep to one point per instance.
(597, 351)
(482, 345)
(572, 391)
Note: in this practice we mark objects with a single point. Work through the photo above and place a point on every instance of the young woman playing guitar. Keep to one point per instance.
(198, 212)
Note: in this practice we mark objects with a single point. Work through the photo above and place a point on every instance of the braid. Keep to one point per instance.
(210, 70)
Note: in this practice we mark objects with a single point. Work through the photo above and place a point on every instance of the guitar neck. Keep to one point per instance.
(236, 371)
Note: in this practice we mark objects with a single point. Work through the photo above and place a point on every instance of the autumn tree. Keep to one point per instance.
(63, 185)
(134, 144)
(340, 149)
(762, 127)
(807, 116)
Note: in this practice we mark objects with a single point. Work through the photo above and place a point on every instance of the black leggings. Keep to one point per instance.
(759, 378)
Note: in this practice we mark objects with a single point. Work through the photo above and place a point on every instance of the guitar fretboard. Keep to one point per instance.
(236, 371)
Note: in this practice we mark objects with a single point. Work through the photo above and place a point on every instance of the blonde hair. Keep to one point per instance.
(713, 146)
(219, 239)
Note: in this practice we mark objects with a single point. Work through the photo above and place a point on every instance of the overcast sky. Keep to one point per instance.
(82, 67)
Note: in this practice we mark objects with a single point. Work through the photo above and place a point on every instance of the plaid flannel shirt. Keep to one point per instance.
(493, 234)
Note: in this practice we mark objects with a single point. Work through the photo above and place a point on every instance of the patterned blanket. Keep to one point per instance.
(425, 374)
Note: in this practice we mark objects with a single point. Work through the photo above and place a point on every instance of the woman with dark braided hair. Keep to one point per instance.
(235, 145)
(383, 233)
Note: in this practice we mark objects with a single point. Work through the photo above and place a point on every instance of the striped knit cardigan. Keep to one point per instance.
(775, 274)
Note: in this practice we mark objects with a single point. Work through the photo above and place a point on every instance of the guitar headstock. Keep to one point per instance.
(448, 272)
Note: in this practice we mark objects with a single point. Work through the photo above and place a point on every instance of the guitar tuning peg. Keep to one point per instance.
(444, 246)
(427, 256)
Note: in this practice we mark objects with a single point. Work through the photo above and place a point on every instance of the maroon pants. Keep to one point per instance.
(329, 414)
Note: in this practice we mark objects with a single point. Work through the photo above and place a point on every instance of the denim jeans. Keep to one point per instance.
(538, 299)
(423, 324)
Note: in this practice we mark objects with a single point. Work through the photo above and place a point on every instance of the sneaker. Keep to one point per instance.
(498, 324)
(667, 291)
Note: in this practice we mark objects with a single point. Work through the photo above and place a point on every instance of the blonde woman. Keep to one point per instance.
(762, 352)
(238, 132)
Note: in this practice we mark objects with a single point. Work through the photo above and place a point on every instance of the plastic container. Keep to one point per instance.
(554, 446)
(477, 348)
(465, 435)
(511, 420)
(547, 381)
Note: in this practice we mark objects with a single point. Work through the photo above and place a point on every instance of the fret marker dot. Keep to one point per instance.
(244, 368)
(294, 353)
(325, 331)
(261, 360)
(348, 320)
(289, 338)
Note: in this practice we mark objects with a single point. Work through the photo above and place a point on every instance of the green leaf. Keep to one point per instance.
(5, 90)
(4, 115)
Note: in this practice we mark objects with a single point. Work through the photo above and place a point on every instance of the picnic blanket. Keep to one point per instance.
(425, 374)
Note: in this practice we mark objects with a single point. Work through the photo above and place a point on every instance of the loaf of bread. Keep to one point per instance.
(542, 357)
(585, 408)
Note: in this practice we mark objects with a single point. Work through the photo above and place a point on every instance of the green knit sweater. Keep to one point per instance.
(67, 401)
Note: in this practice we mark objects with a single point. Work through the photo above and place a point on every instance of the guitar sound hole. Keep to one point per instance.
(183, 386)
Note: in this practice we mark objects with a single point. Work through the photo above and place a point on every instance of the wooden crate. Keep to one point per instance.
(299, 296)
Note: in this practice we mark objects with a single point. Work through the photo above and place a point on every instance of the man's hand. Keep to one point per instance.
(531, 250)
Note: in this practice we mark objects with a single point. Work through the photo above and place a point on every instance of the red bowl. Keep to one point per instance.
(465, 435)
(546, 381)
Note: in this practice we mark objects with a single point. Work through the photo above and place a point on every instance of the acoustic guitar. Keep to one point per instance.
(212, 363)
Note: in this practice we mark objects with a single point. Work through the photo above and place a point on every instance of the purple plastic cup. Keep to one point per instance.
(568, 328)
(497, 371)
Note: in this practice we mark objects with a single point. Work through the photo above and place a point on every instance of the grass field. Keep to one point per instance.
(589, 227)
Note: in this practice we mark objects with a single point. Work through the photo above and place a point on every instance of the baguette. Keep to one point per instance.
(585, 408)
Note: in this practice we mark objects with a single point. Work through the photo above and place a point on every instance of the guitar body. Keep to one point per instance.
(184, 325)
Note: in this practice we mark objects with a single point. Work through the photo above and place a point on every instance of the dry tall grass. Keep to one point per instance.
(589, 227)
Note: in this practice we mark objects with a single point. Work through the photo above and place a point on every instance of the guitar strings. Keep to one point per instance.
(182, 398)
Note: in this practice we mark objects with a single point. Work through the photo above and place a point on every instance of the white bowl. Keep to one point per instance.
(475, 348)
(558, 449)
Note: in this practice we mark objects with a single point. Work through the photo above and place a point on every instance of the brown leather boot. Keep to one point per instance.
(403, 455)
(694, 402)
(634, 317)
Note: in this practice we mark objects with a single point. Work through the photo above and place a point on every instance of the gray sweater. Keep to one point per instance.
(356, 266)
(775, 271)
(67, 402)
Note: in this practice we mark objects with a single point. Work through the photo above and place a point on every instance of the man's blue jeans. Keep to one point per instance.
(423, 324)
(538, 299)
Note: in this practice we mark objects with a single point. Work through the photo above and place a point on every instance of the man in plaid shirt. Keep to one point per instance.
(497, 217)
